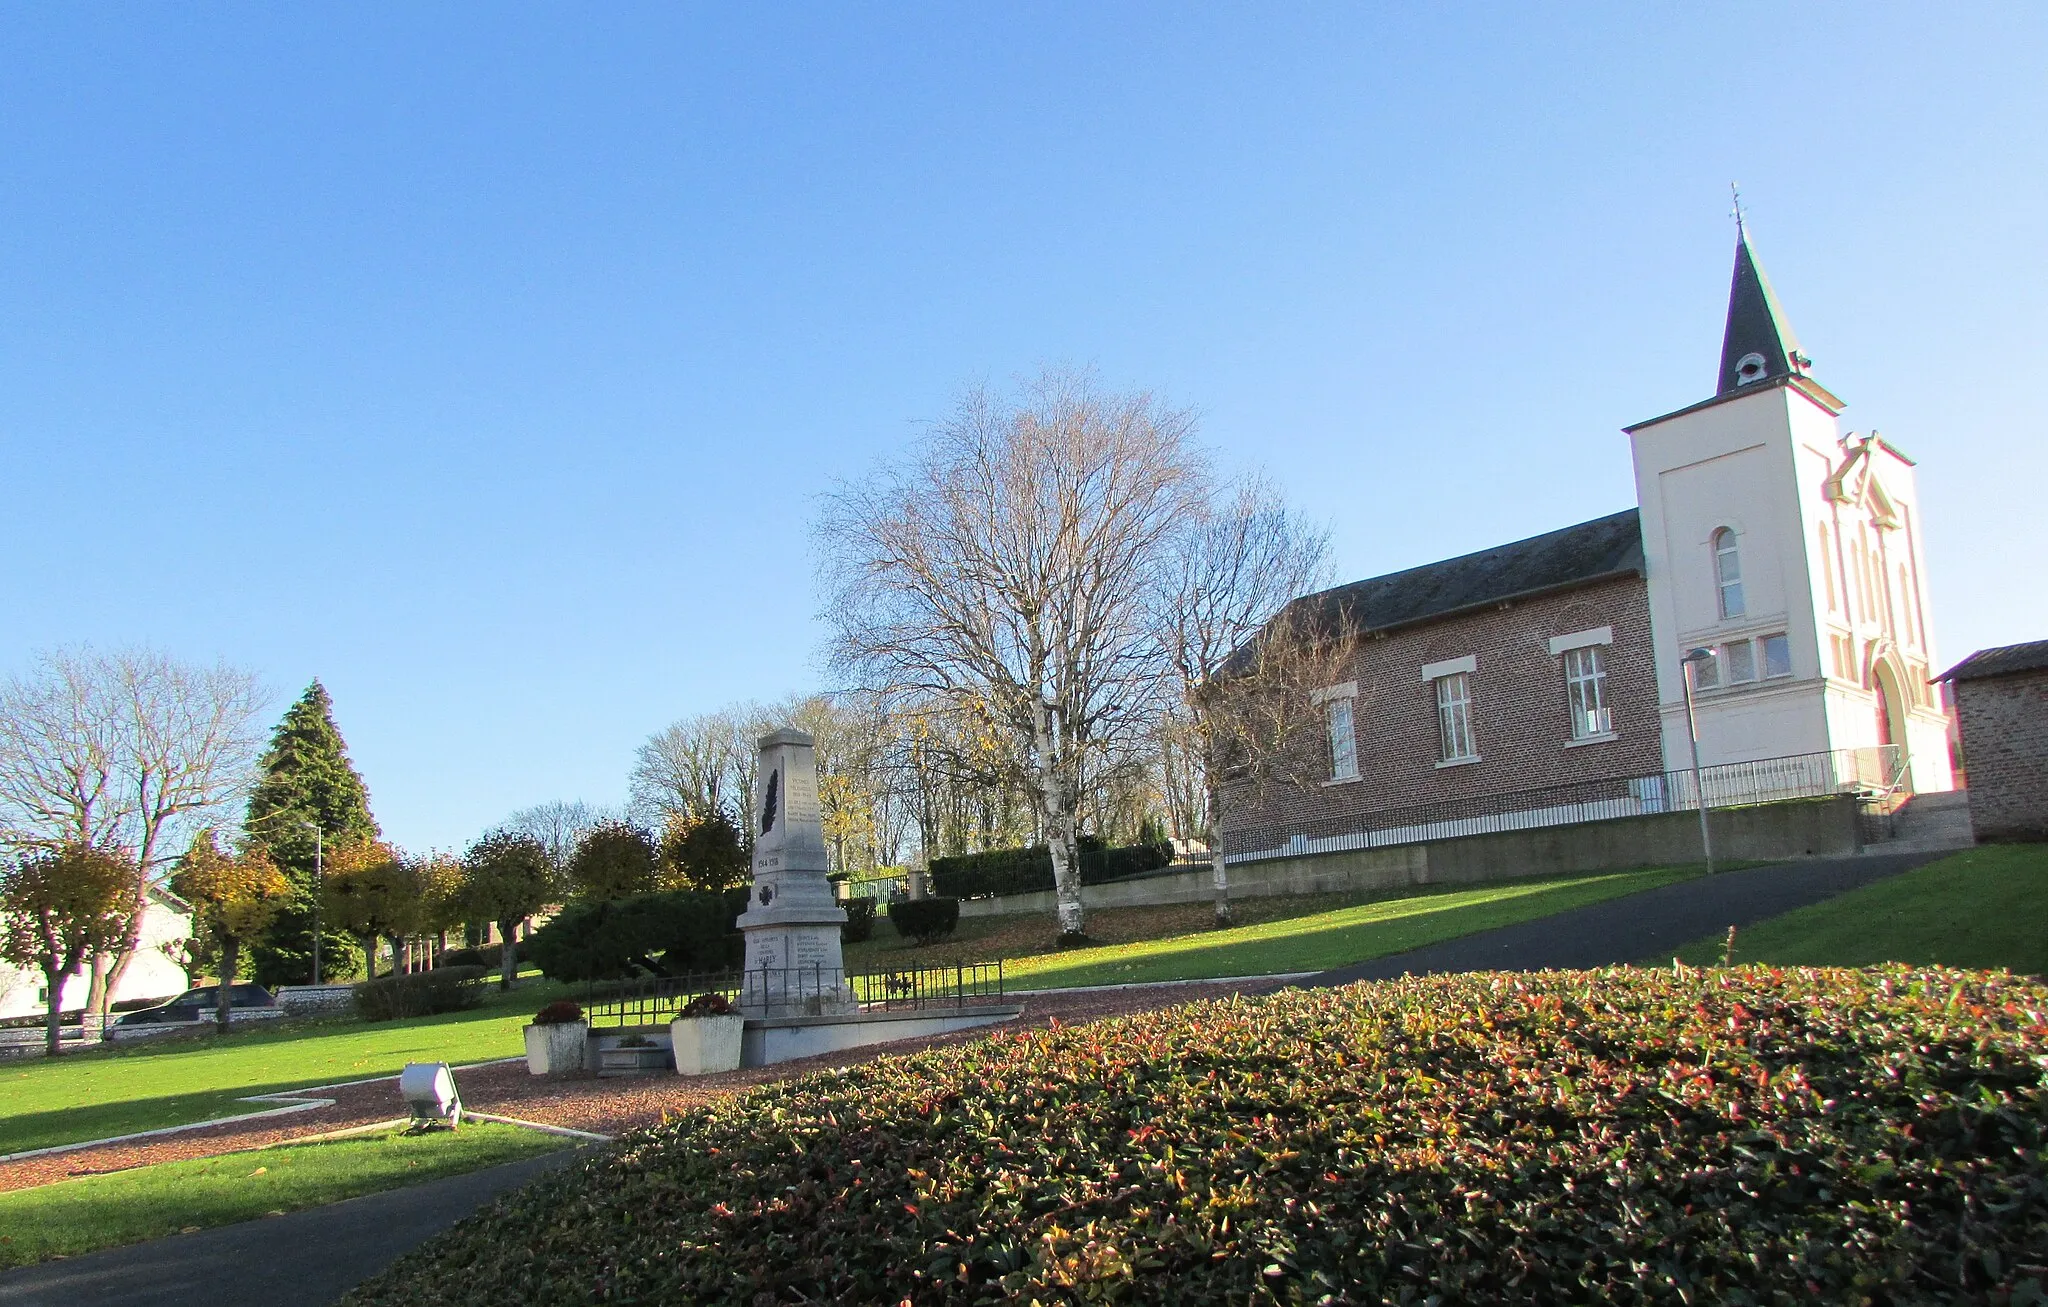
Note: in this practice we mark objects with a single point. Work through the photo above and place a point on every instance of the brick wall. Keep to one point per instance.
(1521, 723)
(2004, 724)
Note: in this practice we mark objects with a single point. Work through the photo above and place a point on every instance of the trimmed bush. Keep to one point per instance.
(860, 920)
(1025, 871)
(420, 994)
(1627, 1136)
(462, 957)
(925, 920)
(676, 933)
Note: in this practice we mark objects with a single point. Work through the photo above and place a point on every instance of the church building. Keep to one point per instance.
(1773, 558)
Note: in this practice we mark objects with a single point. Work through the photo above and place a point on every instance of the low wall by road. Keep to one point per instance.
(1800, 828)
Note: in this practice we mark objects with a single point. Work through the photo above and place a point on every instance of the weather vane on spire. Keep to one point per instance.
(1735, 193)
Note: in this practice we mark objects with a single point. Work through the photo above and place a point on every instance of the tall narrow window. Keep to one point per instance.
(1343, 741)
(1728, 573)
(1827, 569)
(1454, 716)
(1585, 688)
(1777, 656)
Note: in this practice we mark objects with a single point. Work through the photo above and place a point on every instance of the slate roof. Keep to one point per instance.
(1756, 325)
(2002, 661)
(1599, 550)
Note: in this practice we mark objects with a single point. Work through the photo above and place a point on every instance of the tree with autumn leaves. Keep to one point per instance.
(235, 897)
(58, 908)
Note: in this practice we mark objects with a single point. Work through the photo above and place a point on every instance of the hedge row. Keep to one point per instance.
(1023, 871)
(420, 993)
(675, 933)
(1627, 1136)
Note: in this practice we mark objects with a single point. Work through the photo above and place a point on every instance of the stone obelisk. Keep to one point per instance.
(794, 966)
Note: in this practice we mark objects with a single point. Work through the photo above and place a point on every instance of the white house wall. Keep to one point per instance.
(150, 975)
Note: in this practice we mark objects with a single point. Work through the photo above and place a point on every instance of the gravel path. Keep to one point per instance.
(583, 1102)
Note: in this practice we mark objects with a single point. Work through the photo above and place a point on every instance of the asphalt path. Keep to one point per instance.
(1639, 927)
(303, 1259)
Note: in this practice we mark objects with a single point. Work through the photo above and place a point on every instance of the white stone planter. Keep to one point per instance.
(554, 1050)
(703, 1045)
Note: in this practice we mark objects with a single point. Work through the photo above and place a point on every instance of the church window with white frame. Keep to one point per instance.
(1728, 573)
(1777, 653)
(1454, 717)
(1827, 570)
(1585, 684)
(1343, 739)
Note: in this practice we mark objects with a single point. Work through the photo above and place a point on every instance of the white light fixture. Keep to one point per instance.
(429, 1090)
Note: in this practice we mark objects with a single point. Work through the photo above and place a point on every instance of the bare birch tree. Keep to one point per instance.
(118, 751)
(1244, 683)
(558, 825)
(696, 765)
(1007, 564)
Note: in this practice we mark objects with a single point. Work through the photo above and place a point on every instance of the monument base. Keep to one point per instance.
(768, 1040)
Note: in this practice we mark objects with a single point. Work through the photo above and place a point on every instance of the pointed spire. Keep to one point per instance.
(1758, 344)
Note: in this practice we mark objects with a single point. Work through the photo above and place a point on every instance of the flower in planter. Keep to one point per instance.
(636, 1041)
(707, 1005)
(559, 1013)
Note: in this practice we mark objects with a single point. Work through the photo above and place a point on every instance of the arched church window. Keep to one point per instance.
(1728, 573)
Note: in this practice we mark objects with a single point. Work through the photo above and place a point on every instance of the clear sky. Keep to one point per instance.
(484, 362)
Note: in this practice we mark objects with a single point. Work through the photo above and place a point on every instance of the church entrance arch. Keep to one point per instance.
(1891, 715)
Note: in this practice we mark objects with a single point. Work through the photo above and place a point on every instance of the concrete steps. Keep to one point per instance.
(1932, 823)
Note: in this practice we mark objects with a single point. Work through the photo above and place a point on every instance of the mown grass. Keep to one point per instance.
(122, 1089)
(119, 1089)
(149, 1202)
(1982, 908)
(1682, 1135)
(1312, 940)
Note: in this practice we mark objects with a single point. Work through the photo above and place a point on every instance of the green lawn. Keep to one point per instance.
(121, 1089)
(141, 1087)
(1983, 908)
(1333, 938)
(102, 1211)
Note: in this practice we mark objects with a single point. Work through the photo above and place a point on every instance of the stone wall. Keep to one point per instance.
(1806, 827)
(2004, 724)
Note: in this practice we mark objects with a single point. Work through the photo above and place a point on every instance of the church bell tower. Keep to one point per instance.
(1791, 552)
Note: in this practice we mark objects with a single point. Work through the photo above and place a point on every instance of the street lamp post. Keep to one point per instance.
(1692, 735)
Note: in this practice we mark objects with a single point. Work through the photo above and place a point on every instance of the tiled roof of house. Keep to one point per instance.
(2002, 661)
(1605, 548)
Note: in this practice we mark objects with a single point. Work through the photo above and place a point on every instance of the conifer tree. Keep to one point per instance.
(307, 779)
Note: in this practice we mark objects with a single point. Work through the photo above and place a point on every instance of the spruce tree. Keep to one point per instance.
(306, 779)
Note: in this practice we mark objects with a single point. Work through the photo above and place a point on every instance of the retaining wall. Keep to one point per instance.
(1800, 828)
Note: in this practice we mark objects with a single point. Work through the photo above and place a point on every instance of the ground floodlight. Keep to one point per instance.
(429, 1090)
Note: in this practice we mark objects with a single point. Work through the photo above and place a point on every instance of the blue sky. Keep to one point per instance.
(485, 363)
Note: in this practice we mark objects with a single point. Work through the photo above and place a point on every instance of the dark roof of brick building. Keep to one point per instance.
(2002, 661)
(1600, 550)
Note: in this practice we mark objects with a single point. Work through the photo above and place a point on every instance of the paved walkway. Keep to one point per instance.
(1646, 926)
(304, 1259)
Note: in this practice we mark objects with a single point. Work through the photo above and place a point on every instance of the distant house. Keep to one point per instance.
(2002, 712)
(165, 921)
(1785, 557)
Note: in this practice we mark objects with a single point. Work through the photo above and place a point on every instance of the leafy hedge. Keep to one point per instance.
(1662, 1136)
(1022, 871)
(420, 993)
(860, 920)
(674, 933)
(925, 920)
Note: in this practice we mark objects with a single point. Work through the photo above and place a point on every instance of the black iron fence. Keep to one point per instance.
(656, 1000)
(1870, 773)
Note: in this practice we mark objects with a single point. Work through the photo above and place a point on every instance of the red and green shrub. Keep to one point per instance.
(1747, 1135)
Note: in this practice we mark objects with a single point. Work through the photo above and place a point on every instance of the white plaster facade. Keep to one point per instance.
(152, 974)
(1826, 528)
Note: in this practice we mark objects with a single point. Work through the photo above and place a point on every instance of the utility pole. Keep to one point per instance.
(318, 876)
